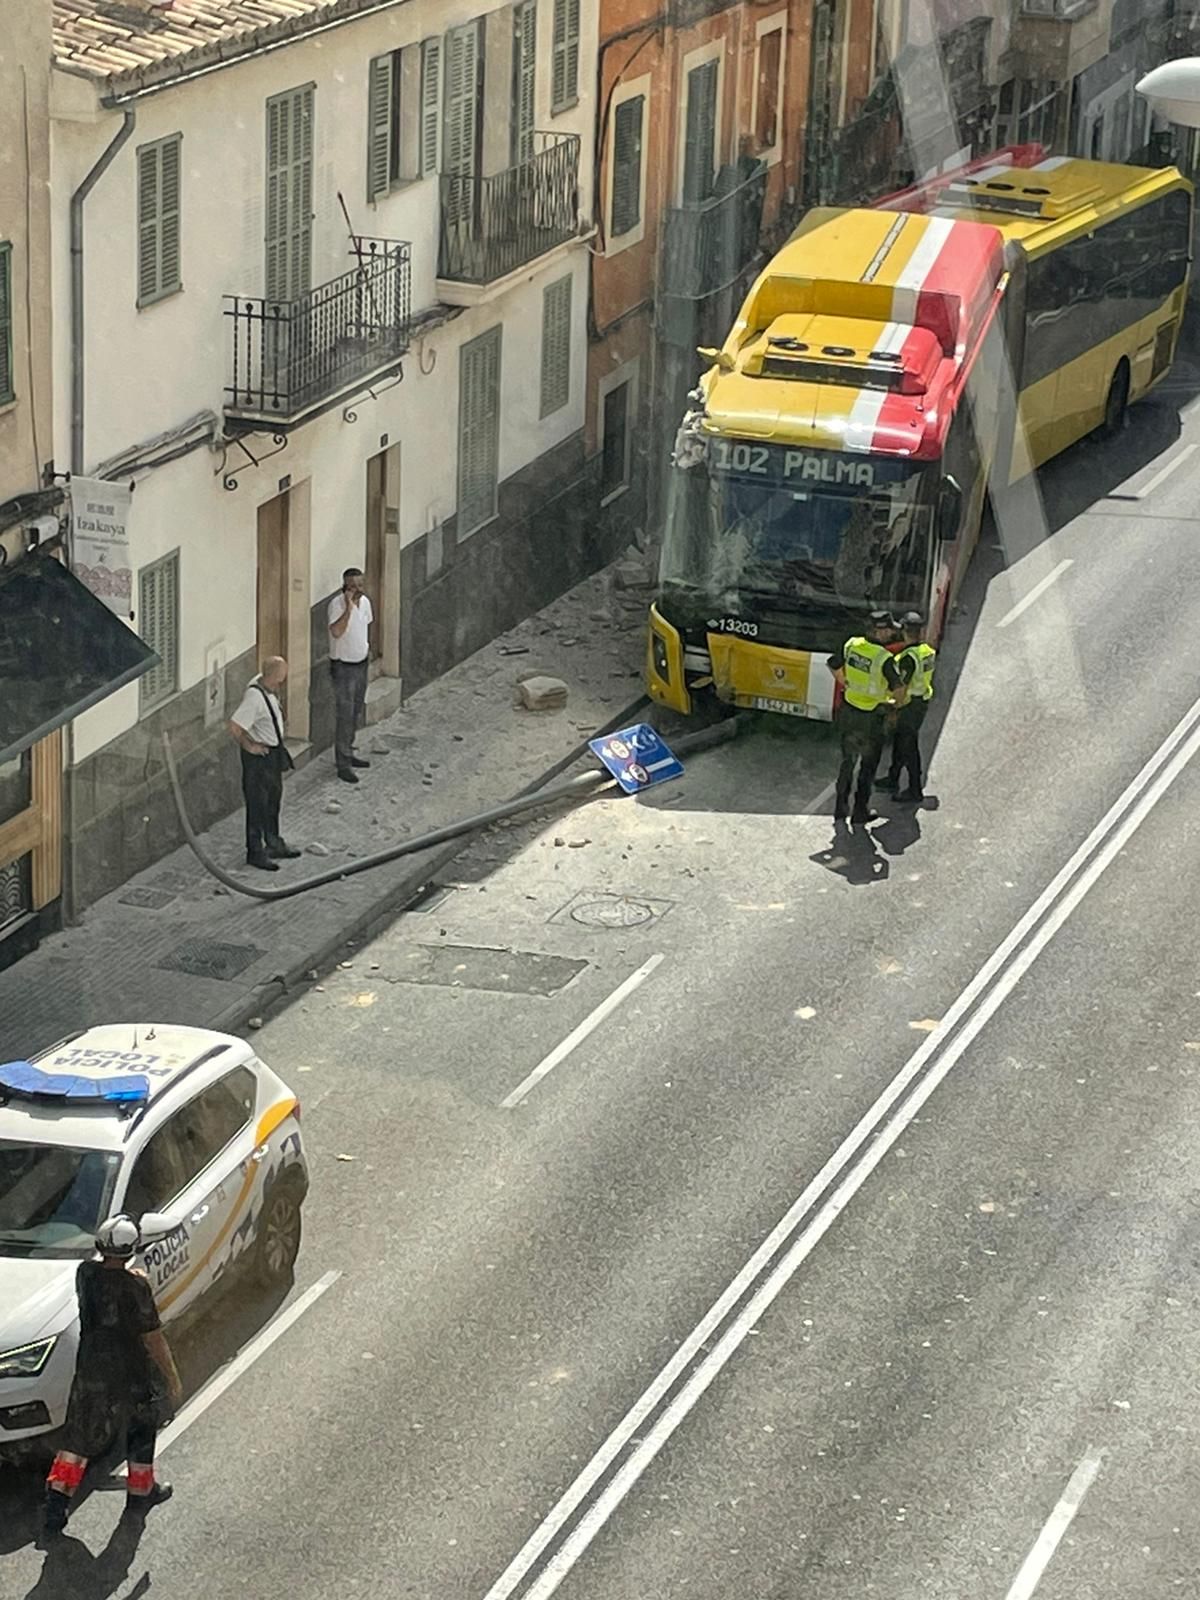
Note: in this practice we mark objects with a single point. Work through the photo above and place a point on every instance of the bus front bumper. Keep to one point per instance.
(759, 677)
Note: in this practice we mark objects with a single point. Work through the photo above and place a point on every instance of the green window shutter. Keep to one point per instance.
(461, 96)
(169, 278)
(478, 431)
(158, 201)
(431, 73)
(700, 137)
(627, 166)
(289, 194)
(379, 126)
(6, 327)
(556, 345)
(158, 624)
(524, 79)
(564, 87)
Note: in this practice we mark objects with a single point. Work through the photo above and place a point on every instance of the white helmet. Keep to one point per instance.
(118, 1236)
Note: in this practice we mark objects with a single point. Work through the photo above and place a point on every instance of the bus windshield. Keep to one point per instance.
(740, 546)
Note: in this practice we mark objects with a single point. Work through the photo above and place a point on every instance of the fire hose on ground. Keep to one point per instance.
(584, 786)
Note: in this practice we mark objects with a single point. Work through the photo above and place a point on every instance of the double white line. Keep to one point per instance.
(565, 1534)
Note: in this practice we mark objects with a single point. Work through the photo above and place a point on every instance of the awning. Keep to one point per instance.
(61, 651)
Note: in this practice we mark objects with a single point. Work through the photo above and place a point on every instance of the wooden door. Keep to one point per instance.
(271, 630)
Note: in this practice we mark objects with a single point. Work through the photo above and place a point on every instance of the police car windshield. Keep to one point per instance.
(52, 1198)
(729, 538)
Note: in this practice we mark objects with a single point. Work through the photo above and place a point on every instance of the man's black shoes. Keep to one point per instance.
(346, 775)
(357, 761)
(259, 859)
(281, 850)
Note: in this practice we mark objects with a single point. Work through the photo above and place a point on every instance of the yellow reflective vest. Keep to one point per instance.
(924, 658)
(862, 662)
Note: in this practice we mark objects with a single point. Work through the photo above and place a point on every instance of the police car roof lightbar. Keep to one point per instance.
(22, 1080)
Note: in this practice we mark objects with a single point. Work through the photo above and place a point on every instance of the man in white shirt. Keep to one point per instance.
(257, 728)
(350, 618)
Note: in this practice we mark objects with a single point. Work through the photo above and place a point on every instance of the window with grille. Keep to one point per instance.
(556, 345)
(7, 388)
(627, 166)
(478, 431)
(158, 180)
(767, 89)
(564, 88)
(402, 107)
(158, 624)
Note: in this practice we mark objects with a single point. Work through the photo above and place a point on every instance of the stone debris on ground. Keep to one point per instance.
(465, 727)
(543, 693)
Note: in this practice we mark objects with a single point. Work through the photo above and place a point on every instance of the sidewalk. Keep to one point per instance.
(173, 944)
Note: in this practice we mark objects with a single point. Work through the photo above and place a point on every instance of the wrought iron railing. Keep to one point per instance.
(1062, 10)
(289, 355)
(492, 226)
(706, 246)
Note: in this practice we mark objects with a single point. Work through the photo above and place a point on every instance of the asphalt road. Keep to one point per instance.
(937, 1345)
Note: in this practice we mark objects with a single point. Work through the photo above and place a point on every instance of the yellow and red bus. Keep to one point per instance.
(838, 451)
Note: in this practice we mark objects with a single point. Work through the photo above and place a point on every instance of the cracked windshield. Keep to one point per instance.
(599, 776)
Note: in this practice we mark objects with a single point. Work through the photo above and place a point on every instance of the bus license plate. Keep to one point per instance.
(789, 708)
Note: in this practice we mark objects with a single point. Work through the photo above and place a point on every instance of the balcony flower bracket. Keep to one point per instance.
(230, 478)
(373, 391)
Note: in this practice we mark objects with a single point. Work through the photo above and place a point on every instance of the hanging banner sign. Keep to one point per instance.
(100, 541)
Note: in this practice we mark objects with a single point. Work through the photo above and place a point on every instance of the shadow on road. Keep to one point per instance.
(203, 1342)
(71, 1572)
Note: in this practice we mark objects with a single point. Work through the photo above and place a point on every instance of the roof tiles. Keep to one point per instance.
(107, 39)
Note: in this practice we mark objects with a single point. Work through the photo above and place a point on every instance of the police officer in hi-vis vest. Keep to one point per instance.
(916, 663)
(871, 682)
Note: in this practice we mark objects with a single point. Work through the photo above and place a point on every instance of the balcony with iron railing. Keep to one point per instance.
(1057, 10)
(706, 245)
(288, 358)
(493, 226)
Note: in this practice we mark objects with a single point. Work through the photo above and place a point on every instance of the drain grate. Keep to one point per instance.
(463, 966)
(151, 899)
(209, 958)
(602, 908)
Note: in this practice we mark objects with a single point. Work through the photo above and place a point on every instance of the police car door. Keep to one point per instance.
(223, 1178)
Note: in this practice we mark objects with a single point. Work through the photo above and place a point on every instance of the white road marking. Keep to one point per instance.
(576, 1037)
(1037, 590)
(818, 800)
(1164, 473)
(1060, 1519)
(245, 1358)
(993, 982)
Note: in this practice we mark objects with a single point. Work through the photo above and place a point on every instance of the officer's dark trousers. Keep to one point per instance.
(262, 786)
(906, 748)
(862, 734)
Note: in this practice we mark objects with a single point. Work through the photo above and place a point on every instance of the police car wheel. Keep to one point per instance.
(278, 1237)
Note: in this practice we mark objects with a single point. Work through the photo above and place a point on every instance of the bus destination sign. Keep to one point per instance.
(784, 466)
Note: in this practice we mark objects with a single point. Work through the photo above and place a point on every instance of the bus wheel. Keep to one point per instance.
(1117, 404)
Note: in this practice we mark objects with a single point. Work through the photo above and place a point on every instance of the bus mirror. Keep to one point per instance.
(949, 510)
(720, 359)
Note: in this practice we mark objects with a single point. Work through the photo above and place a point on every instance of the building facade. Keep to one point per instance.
(30, 770)
(331, 313)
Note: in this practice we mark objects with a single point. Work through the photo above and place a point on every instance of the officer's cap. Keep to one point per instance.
(912, 619)
(882, 619)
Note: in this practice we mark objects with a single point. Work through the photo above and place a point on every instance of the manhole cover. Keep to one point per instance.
(152, 899)
(464, 966)
(175, 880)
(601, 908)
(209, 958)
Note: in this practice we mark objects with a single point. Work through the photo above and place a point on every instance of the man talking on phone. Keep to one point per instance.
(350, 618)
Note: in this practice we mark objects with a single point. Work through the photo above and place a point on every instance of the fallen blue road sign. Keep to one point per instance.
(638, 758)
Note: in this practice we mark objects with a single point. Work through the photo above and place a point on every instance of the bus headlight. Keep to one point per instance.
(662, 665)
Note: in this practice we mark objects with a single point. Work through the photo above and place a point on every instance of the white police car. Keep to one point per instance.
(183, 1128)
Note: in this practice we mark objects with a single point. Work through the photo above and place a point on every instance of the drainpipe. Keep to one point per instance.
(129, 118)
(85, 188)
